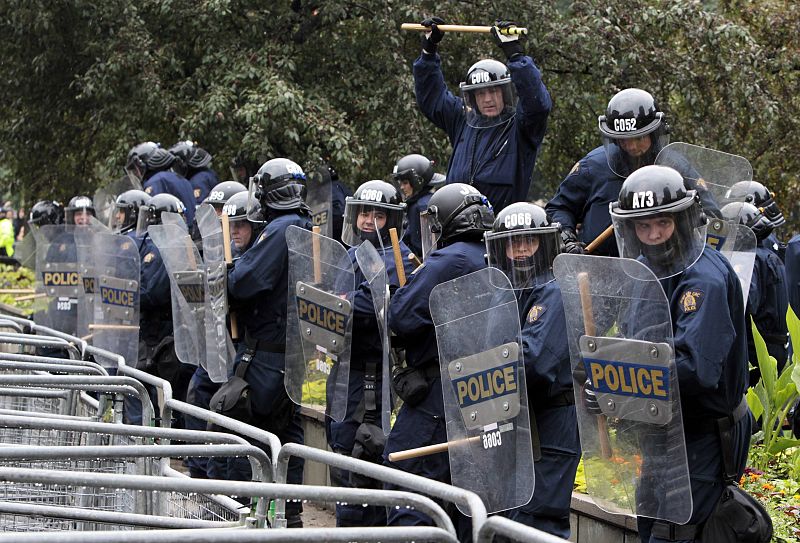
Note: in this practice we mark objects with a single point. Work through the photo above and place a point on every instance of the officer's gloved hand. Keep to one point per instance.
(571, 243)
(511, 44)
(590, 399)
(430, 40)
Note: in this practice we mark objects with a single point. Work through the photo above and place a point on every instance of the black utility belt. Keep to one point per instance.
(712, 425)
(265, 346)
(562, 399)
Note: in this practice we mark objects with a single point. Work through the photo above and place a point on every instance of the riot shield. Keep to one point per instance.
(319, 196)
(374, 269)
(319, 322)
(619, 330)
(84, 245)
(25, 251)
(115, 325)
(105, 197)
(483, 386)
(187, 288)
(57, 278)
(738, 243)
(218, 345)
(168, 217)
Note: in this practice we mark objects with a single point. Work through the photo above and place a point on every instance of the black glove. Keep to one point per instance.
(431, 39)
(590, 399)
(571, 243)
(511, 44)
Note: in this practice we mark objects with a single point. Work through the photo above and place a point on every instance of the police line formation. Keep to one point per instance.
(448, 328)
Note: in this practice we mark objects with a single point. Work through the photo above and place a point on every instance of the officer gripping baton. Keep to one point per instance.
(226, 247)
(398, 258)
(415, 27)
(599, 240)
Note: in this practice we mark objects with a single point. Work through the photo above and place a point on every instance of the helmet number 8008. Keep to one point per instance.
(624, 125)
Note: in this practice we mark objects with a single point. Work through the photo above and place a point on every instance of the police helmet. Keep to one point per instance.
(191, 156)
(278, 185)
(455, 210)
(750, 216)
(76, 206)
(148, 158)
(46, 212)
(632, 114)
(482, 76)
(150, 213)
(416, 170)
(523, 243)
(236, 206)
(126, 210)
(658, 218)
(222, 192)
(760, 196)
(371, 212)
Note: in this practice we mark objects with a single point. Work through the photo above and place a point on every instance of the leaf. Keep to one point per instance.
(753, 401)
(766, 363)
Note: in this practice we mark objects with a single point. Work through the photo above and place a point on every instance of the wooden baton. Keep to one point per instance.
(463, 28)
(429, 449)
(226, 248)
(415, 260)
(315, 250)
(599, 240)
(398, 257)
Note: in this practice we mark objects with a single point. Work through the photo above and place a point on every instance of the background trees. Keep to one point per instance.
(83, 81)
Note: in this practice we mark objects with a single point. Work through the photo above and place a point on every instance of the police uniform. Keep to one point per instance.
(498, 161)
(412, 235)
(202, 182)
(339, 192)
(410, 318)
(257, 290)
(767, 302)
(775, 245)
(549, 381)
(366, 351)
(793, 272)
(172, 183)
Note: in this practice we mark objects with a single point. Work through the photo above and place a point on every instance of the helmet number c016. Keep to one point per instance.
(624, 125)
(479, 77)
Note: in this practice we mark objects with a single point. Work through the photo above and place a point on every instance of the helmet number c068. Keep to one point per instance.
(518, 219)
(624, 125)
(642, 198)
(371, 195)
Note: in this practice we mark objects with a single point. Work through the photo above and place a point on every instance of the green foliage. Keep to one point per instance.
(84, 81)
(19, 278)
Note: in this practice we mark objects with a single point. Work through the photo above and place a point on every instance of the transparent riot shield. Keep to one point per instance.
(84, 245)
(218, 344)
(374, 269)
(738, 243)
(115, 325)
(57, 278)
(619, 330)
(319, 196)
(187, 287)
(25, 251)
(712, 173)
(106, 196)
(319, 322)
(483, 385)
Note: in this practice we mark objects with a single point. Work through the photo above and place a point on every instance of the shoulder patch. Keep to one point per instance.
(702, 183)
(148, 258)
(536, 313)
(691, 300)
(262, 237)
(125, 246)
(149, 189)
(197, 193)
(62, 248)
(575, 169)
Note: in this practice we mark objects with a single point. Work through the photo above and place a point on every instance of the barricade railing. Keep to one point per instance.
(42, 342)
(514, 531)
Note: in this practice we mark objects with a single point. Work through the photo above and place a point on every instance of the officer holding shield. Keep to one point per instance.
(658, 221)
(523, 244)
(498, 124)
(257, 290)
(368, 215)
(453, 227)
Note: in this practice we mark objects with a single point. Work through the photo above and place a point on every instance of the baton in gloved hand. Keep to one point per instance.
(226, 247)
(463, 28)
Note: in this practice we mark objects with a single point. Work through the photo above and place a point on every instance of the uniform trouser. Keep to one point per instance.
(265, 377)
(201, 389)
(341, 438)
(704, 453)
(548, 510)
(419, 426)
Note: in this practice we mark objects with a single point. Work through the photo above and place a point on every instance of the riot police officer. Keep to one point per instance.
(125, 215)
(523, 243)
(46, 212)
(761, 197)
(634, 130)
(659, 221)
(374, 208)
(257, 289)
(78, 211)
(414, 173)
(149, 164)
(221, 193)
(767, 299)
(453, 225)
(194, 163)
(495, 137)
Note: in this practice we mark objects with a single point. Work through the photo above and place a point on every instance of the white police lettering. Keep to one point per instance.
(624, 125)
(294, 169)
(468, 189)
(229, 210)
(480, 77)
(83, 202)
(518, 219)
(372, 195)
(643, 199)
(492, 439)
(216, 195)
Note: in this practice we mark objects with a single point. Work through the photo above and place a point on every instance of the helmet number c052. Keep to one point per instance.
(624, 125)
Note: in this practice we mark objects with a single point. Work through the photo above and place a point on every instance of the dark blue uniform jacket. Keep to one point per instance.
(172, 183)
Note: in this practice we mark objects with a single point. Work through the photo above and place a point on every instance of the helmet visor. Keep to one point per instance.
(430, 232)
(668, 243)
(489, 104)
(122, 218)
(525, 256)
(255, 211)
(147, 216)
(370, 222)
(628, 154)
